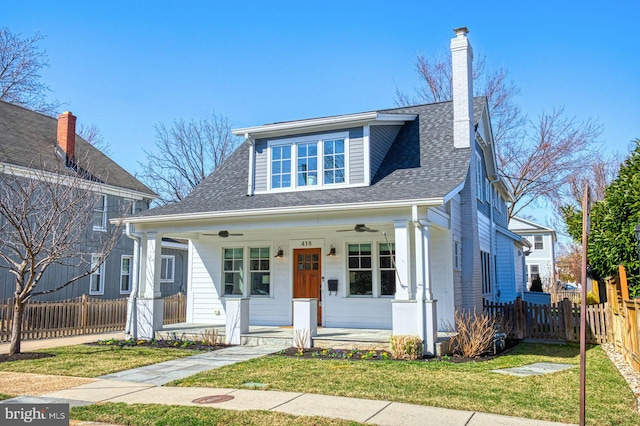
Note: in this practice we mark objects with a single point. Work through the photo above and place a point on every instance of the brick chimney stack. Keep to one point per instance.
(67, 133)
(461, 63)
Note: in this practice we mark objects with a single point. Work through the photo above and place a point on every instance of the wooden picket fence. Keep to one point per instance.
(560, 295)
(625, 319)
(81, 315)
(556, 322)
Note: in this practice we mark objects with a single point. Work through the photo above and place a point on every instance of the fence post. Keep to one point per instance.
(83, 302)
(519, 315)
(567, 316)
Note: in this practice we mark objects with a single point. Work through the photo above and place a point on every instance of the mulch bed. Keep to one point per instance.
(377, 355)
(161, 343)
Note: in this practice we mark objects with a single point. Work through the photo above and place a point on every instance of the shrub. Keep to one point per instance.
(405, 347)
(476, 333)
(536, 285)
(592, 298)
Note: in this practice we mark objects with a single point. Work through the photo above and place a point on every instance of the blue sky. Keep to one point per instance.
(129, 65)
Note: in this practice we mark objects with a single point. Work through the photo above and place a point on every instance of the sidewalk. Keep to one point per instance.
(142, 385)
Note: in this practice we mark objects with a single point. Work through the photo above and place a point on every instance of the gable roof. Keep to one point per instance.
(421, 165)
(523, 226)
(28, 138)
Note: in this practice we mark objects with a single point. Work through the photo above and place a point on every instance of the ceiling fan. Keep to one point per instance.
(225, 234)
(361, 227)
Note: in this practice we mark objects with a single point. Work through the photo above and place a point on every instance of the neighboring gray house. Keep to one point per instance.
(387, 219)
(26, 136)
(541, 257)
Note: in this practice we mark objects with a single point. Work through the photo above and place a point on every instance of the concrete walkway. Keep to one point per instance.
(142, 385)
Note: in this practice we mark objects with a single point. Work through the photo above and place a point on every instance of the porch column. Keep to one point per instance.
(426, 308)
(402, 260)
(237, 322)
(305, 319)
(150, 305)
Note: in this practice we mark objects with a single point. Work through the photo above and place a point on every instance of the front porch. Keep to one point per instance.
(327, 337)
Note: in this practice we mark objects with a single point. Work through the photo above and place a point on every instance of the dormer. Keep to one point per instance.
(323, 153)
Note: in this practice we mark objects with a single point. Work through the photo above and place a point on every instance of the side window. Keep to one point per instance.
(96, 285)
(167, 269)
(457, 262)
(259, 269)
(125, 274)
(538, 243)
(100, 214)
(387, 270)
(281, 166)
(233, 271)
(479, 178)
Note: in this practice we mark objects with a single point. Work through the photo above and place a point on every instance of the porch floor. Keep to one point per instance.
(346, 338)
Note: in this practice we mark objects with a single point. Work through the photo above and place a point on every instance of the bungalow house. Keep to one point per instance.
(386, 219)
(29, 139)
(541, 258)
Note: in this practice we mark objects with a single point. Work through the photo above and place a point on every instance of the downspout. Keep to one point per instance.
(131, 328)
(252, 160)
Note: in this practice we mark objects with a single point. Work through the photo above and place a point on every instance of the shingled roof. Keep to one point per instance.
(421, 164)
(28, 139)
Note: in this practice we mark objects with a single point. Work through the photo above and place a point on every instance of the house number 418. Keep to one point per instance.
(306, 244)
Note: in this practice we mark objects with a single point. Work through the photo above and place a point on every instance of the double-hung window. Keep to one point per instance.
(259, 270)
(538, 242)
(167, 268)
(233, 269)
(100, 214)
(96, 285)
(479, 178)
(125, 274)
(308, 162)
(485, 258)
(386, 255)
(360, 271)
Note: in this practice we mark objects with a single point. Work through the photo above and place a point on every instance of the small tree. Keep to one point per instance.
(536, 285)
(46, 217)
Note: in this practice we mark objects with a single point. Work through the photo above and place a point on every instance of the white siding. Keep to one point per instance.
(203, 293)
(456, 231)
(441, 250)
(505, 278)
(484, 232)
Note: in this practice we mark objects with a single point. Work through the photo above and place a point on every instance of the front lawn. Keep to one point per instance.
(469, 386)
(91, 360)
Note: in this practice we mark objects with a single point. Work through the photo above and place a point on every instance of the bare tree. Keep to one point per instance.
(185, 154)
(46, 217)
(92, 134)
(537, 158)
(21, 61)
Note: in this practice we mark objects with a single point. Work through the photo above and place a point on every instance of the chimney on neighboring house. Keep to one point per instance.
(67, 133)
(461, 60)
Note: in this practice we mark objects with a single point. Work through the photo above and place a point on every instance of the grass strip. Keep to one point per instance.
(469, 386)
(171, 415)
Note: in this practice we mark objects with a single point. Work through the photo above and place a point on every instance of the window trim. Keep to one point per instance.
(375, 292)
(242, 272)
(487, 283)
(103, 227)
(319, 139)
(130, 257)
(380, 269)
(479, 178)
(457, 254)
(100, 273)
(173, 268)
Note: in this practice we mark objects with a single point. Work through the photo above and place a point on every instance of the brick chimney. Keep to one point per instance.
(461, 63)
(67, 133)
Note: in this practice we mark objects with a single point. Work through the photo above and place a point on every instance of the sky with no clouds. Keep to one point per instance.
(127, 66)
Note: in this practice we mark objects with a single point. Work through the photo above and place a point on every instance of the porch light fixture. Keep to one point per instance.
(332, 251)
(280, 253)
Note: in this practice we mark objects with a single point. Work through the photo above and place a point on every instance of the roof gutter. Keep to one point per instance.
(436, 201)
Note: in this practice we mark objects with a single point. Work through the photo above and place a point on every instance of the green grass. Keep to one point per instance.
(3, 396)
(93, 361)
(169, 415)
(470, 386)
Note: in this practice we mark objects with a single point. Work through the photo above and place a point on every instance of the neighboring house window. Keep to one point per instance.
(281, 166)
(487, 192)
(318, 161)
(334, 161)
(233, 271)
(125, 274)
(538, 243)
(479, 178)
(259, 270)
(456, 255)
(387, 270)
(485, 258)
(167, 268)
(307, 164)
(533, 272)
(360, 272)
(100, 214)
(96, 285)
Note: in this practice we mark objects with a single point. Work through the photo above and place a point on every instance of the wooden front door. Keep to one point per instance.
(307, 276)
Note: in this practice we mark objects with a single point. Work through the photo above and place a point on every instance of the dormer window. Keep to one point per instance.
(320, 162)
